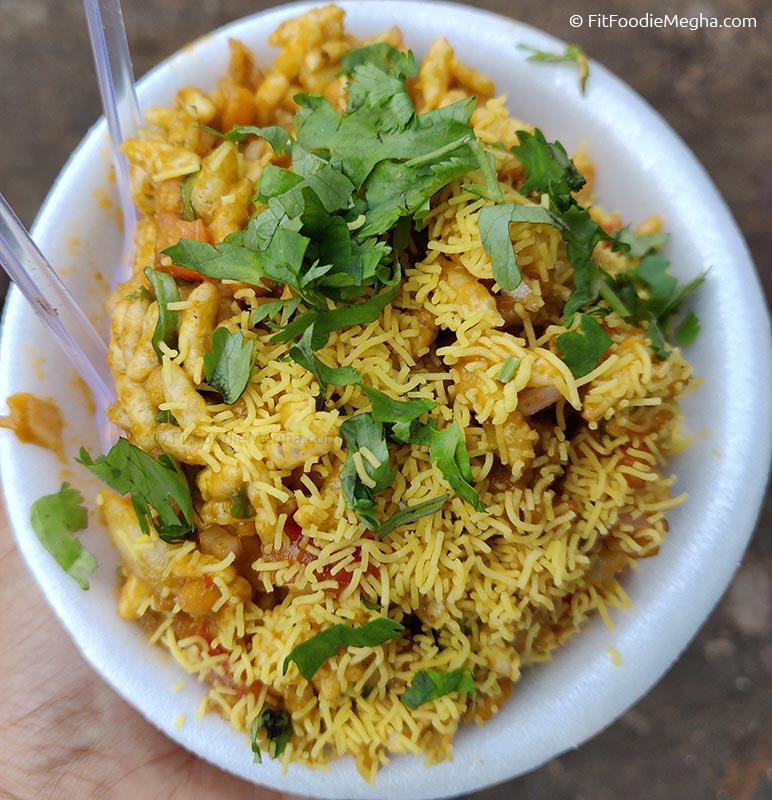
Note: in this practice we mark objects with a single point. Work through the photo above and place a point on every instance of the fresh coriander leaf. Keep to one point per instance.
(383, 56)
(282, 255)
(165, 417)
(666, 295)
(582, 234)
(508, 369)
(582, 351)
(573, 53)
(356, 142)
(353, 262)
(411, 513)
(165, 290)
(431, 684)
(399, 412)
(402, 231)
(548, 169)
(400, 189)
(296, 327)
(626, 287)
(355, 314)
(487, 164)
(240, 507)
(278, 729)
(331, 186)
(159, 489)
(225, 262)
(377, 83)
(689, 329)
(611, 297)
(653, 296)
(681, 293)
(384, 94)
(372, 606)
(641, 244)
(270, 309)
(54, 518)
(327, 320)
(229, 363)
(364, 475)
(447, 450)
(494, 222)
(257, 756)
(311, 654)
(303, 353)
(654, 271)
(279, 138)
(363, 432)
(276, 181)
(656, 336)
(265, 249)
(186, 191)
(598, 310)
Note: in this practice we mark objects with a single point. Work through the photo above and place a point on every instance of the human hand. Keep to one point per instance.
(64, 733)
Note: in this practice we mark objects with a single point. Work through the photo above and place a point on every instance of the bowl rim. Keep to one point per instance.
(758, 446)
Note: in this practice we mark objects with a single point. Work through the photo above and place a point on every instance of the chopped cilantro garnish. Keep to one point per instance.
(447, 450)
(159, 489)
(431, 684)
(653, 297)
(508, 369)
(276, 136)
(278, 729)
(582, 351)
(572, 54)
(165, 290)
(54, 518)
(311, 654)
(582, 237)
(383, 56)
(303, 353)
(363, 477)
(689, 329)
(368, 470)
(647, 294)
(399, 413)
(186, 192)
(228, 364)
(411, 514)
(641, 244)
(494, 222)
(548, 168)
(240, 507)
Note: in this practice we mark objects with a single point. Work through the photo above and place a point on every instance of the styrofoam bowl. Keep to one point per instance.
(642, 168)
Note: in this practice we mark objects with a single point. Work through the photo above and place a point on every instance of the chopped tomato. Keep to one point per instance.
(294, 552)
(169, 230)
(205, 633)
(635, 461)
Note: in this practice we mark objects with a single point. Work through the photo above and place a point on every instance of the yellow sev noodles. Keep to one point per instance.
(570, 469)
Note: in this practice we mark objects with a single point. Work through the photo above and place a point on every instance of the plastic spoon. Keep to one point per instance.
(28, 268)
(115, 76)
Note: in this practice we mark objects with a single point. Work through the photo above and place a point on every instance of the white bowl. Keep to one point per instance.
(643, 168)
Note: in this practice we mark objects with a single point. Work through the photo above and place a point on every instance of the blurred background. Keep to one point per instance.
(705, 731)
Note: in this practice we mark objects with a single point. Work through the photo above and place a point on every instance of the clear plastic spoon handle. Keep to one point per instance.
(43, 288)
(119, 98)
